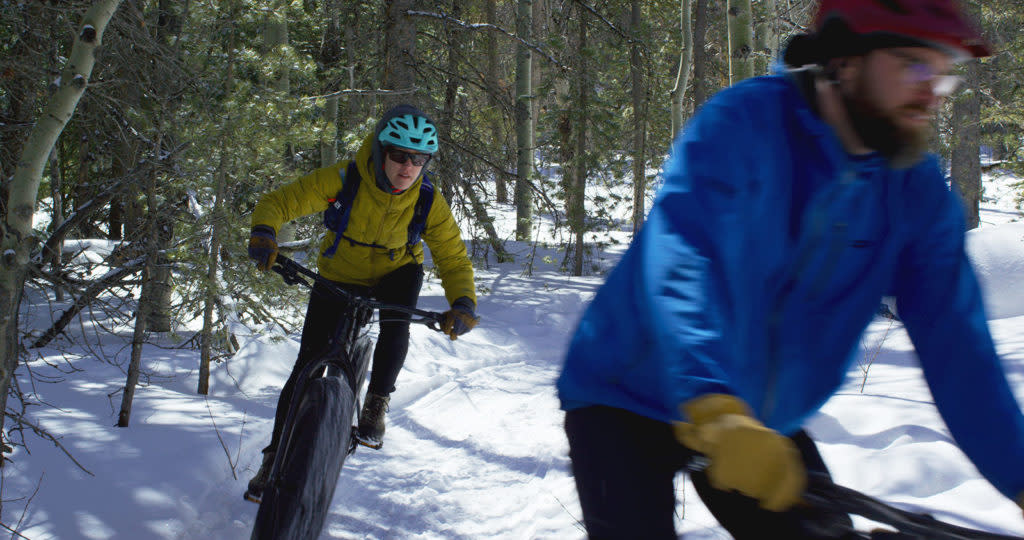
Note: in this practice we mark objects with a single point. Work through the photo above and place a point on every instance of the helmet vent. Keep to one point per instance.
(409, 131)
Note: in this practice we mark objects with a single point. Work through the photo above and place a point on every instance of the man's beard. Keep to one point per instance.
(879, 131)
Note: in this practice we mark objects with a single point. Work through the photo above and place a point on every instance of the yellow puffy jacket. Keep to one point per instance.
(376, 218)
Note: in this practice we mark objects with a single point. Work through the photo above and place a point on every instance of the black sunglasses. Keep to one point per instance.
(398, 156)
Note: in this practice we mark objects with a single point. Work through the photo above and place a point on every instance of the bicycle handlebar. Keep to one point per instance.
(292, 273)
(823, 493)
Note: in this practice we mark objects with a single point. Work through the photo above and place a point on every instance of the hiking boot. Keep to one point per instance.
(259, 482)
(371, 421)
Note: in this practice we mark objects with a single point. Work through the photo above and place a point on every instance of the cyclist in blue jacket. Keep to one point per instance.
(791, 205)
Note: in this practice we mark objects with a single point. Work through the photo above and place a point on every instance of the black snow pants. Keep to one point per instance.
(323, 317)
(625, 466)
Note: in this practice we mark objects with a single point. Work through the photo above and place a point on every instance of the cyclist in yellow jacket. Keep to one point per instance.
(373, 257)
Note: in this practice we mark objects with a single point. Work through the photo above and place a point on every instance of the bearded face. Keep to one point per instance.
(881, 130)
(890, 96)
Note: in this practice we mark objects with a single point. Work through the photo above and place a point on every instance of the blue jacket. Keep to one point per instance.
(765, 256)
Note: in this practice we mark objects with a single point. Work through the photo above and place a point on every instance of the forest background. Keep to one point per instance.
(157, 124)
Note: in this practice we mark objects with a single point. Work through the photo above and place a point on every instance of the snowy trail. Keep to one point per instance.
(474, 447)
(474, 444)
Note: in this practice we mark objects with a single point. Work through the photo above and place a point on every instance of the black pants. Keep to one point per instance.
(323, 317)
(625, 466)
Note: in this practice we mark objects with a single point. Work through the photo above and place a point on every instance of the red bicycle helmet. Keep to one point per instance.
(881, 23)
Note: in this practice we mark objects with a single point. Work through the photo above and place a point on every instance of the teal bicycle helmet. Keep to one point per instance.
(409, 131)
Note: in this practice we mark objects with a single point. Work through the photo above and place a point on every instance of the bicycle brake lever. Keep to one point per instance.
(430, 322)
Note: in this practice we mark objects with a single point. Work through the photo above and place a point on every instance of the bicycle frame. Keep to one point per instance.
(318, 423)
(362, 309)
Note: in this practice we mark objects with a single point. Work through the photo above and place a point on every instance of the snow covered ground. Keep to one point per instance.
(474, 447)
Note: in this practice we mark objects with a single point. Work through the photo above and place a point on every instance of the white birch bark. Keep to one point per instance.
(741, 42)
(24, 186)
(524, 123)
(683, 74)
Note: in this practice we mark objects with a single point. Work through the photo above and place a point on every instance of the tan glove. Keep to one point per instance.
(461, 318)
(743, 454)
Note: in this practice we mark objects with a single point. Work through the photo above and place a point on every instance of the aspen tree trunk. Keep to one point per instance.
(275, 41)
(741, 43)
(16, 241)
(524, 124)
(330, 56)
(578, 190)
(766, 36)
(351, 50)
(491, 82)
(157, 296)
(761, 50)
(449, 172)
(965, 166)
(700, 57)
(135, 364)
(217, 223)
(329, 142)
(446, 167)
(683, 73)
(639, 95)
(572, 125)
(147, 298)
(275, 38)
(159, 293)
(399, 53)
(541, 17)
(212, 281)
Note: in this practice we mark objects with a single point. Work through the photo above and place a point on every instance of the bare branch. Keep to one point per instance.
(87, 297)
(359, 92)
(223, 445)
(46, 435)
(622, 33)
(487, 26)
(12, 531)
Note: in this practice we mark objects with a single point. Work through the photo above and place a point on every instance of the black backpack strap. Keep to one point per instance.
(339, 209)
(421, 211)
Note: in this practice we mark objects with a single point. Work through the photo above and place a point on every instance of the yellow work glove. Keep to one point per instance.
(461, 318)
(743, 454)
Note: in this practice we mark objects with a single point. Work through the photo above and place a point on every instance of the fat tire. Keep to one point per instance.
(315, 444)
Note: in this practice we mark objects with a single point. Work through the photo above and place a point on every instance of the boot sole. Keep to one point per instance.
(376, 445)
(252, 497)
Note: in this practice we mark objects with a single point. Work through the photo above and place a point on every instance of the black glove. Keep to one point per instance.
(460, 318)
(263, 246)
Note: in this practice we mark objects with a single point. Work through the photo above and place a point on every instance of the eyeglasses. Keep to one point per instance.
(917, 71)
(400, 157)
